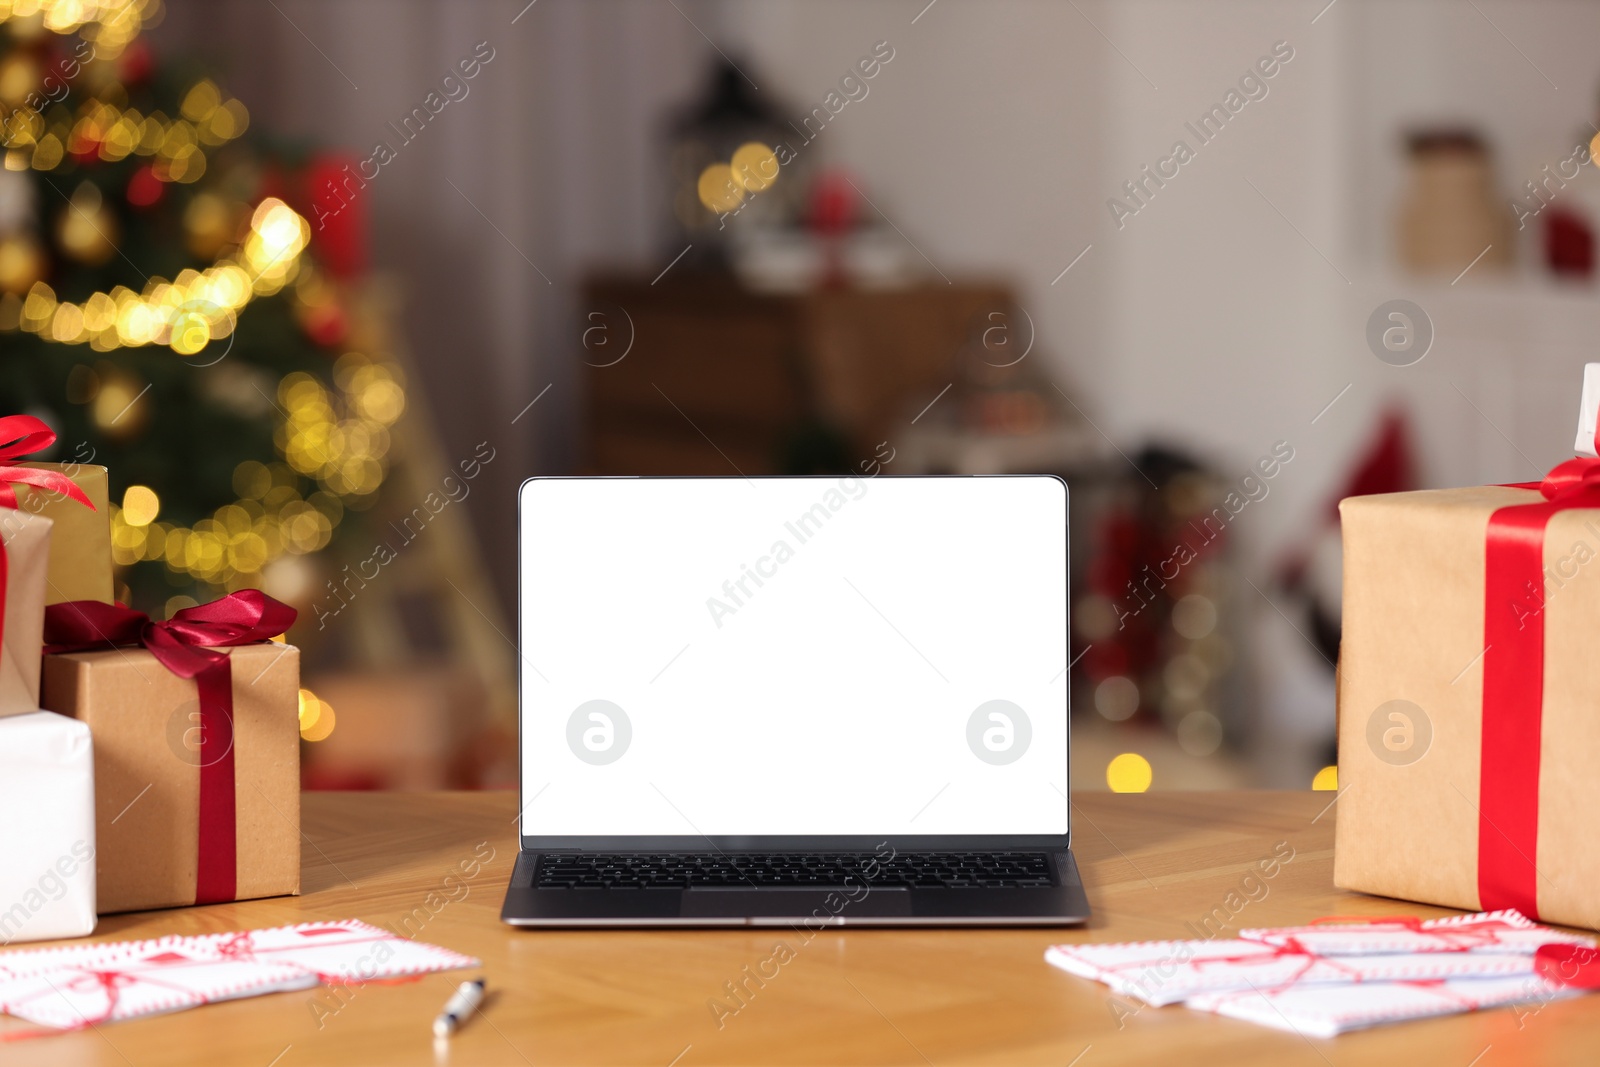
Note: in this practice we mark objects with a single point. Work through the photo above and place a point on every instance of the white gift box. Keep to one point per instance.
(47, 879)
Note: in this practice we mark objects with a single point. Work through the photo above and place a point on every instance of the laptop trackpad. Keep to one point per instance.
(812, 905)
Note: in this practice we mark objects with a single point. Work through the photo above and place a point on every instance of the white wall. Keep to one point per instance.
(1000, 131)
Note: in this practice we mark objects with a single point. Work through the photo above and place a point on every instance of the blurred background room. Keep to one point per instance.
(1216, 264)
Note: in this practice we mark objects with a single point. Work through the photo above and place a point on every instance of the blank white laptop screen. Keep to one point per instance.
(805, 656)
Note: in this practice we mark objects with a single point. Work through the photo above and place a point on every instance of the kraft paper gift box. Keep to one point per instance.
(80, 546)
(1469, 699)
(47, 883)
(25, 539)
(162, 768)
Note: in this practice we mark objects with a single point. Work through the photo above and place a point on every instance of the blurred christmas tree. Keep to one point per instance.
(160, 307)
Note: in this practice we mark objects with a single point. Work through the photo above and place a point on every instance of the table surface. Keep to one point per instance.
(1154, 863)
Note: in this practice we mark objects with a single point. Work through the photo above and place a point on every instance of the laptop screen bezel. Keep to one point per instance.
(788, 842)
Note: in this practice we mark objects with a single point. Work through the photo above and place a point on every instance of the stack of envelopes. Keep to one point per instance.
(1329, 977)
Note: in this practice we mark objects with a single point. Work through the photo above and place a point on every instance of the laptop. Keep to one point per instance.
(817, 701)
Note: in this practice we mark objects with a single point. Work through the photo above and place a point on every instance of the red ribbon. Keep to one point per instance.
(186, 645)
(19, 436)
(1513, 686)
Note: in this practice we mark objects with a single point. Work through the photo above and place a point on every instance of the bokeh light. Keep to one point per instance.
(316, 717)
(1129, 773)
(1199, 733)
(718, 189)
(755, 166)
(1194, 616)
(1117, 698)
(140, 505)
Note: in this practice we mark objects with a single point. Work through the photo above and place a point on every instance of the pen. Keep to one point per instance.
(461, 1004)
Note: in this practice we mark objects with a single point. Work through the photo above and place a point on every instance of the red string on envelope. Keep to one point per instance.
(111, 983)
(187, 645)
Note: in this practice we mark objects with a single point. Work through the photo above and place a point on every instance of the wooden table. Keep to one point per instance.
(1156, 865)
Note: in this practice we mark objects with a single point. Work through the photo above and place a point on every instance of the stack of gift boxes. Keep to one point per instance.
(143, 764)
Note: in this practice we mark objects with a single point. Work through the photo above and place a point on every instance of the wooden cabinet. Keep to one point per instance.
(720, 380)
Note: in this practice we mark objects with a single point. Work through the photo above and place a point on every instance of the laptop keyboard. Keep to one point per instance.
(821, 870)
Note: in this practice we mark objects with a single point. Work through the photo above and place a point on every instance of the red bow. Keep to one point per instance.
(1513, 685)
(21, 435)
(186, 645)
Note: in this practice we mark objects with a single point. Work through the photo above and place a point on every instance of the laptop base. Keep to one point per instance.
(1061, 904)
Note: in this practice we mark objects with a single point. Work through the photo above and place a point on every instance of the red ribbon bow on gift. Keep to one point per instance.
(187, 645)
(21, 435)
(1513, 685)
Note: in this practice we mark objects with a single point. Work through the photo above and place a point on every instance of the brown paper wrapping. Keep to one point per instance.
(147, 779)
(26, 539)
(1413, 630)
(80, 547)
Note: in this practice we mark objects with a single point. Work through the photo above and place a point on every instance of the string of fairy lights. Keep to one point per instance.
(344, 452)
(116, 22)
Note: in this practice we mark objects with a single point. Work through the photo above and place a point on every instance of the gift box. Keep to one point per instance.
(47, 846)
(73, 496)
(29, 539)
(25, 543)
(1469, 737)
(196, 746)
(80, 544)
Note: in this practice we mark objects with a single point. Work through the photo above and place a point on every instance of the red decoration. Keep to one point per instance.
(832, 213)
(338, 213)
(329, 193)
(136, 63)
(1568, 243)
(144, 188)
(833, 204)
(326, 324)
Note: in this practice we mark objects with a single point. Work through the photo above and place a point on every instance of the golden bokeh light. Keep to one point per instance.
(755, 166)
(718, 189)
(1129, 773)
(316, 717)
(140, 505)
(118, 21)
